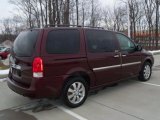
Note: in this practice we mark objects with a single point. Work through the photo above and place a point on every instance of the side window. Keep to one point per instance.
(63, 42)
(125, 43)
(100, 41)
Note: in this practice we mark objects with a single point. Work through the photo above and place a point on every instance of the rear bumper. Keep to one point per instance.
(38, 89)
(20, 90)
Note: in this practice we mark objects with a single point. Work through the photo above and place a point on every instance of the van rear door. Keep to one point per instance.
(25, 48)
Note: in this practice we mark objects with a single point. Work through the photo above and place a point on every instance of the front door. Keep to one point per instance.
(103, 56)
(131, 58)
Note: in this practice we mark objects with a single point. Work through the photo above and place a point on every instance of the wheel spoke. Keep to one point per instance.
(79, 86)
(81, 90)
(74, 99)
(78, 98)
(70, 90)
(70, 96)
(74, 86)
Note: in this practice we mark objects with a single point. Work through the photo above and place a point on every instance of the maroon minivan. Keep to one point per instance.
(68, 62)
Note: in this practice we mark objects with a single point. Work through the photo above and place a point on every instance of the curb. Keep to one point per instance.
(155, 52)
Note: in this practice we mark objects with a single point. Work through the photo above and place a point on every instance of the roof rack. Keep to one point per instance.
(60, 25)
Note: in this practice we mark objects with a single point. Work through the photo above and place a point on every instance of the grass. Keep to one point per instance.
(3, 67)
(3, 76)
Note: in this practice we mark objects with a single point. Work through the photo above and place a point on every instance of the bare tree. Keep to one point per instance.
(119, 14)
(10, 28)
(77, 12)
(66, 12)
(58, 12)
(157, 2)
(83, 14)
(149, 7)
(42, 16)
(134, 15)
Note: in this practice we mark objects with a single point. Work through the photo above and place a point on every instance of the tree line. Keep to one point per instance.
(143, 14)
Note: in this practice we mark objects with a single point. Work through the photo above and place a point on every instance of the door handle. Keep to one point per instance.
(116, 56)
(124, 55)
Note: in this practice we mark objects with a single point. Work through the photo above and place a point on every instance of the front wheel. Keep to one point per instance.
(146, 72)
(75, 92)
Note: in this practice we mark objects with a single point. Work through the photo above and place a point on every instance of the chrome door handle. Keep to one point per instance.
(124, 55)
(116, 56)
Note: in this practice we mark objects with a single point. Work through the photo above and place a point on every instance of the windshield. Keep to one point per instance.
(24, 44)
(3, 50)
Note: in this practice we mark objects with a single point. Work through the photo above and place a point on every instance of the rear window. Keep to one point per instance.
(24, 44)
(63, 42)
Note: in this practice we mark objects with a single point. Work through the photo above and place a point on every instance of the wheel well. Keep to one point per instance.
(79, 74)
(149, 61)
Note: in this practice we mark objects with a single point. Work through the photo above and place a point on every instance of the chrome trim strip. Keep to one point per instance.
(107, 67)
(128, 64)
(116, 66)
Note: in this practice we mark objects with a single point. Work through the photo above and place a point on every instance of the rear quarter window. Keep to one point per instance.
(63, 42)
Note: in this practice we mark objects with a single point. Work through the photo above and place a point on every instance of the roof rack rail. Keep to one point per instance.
(64, 25)
(93, 27)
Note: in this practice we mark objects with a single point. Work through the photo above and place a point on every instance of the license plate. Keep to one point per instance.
(16, 70)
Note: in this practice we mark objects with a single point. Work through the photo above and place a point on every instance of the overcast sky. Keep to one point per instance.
(6, 9)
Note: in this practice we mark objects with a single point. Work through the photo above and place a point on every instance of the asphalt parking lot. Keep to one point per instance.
(129, 100)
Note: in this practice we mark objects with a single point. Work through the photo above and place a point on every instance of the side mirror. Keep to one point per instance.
(138, 47)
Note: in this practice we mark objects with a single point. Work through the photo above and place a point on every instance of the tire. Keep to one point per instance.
(75, 92)
(146, 72)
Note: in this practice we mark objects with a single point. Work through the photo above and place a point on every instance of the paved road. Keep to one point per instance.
(130, 100)
(157, 60)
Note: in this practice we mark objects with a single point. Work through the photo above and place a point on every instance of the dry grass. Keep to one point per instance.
(3, 67)
(3, 76)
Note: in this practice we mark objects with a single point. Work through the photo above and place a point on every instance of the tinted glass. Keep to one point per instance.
(24, 44)
(63, 42)
(125, 42)
(1, 48)
(100, 41)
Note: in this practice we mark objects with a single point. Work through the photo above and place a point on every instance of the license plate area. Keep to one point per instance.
(16, 70)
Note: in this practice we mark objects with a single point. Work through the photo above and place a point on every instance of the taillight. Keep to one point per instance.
(38, 67)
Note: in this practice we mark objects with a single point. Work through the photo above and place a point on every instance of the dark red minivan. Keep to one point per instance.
(68, 62)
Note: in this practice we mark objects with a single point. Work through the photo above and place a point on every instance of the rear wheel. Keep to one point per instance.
(146, 72)
(75, 92)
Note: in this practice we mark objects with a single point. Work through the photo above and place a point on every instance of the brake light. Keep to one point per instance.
(38, 67)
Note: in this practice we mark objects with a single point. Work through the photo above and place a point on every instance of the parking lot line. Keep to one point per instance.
(71, 113)
(147, 83)
(31, 105)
